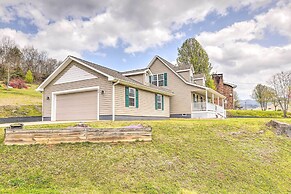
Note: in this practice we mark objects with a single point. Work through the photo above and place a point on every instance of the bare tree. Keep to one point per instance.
(6, 47)
(281, 83)
(262, 94)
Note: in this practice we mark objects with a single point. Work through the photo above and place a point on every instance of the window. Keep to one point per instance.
(131, 97)
(159, 102)
(154, 81)
(159, 79)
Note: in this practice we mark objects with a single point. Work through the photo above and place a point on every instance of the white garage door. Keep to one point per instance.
(76, 106)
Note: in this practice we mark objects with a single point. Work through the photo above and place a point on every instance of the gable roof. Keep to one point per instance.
(172, 68)
(230, 84)
(111, 74)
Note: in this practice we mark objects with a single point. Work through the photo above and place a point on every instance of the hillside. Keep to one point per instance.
(20, 102)
(185, 156)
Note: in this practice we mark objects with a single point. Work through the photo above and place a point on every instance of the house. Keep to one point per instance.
(81, 90)
(225, 88)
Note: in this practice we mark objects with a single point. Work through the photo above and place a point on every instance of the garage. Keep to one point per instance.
(76, 106)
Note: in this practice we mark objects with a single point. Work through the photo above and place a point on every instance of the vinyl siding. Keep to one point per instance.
(181, 102)
(146, 104)
(101, 81)
(139, 78)
(185, 75)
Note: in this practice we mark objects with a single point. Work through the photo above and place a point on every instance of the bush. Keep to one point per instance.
(29, 77)
(17, 83)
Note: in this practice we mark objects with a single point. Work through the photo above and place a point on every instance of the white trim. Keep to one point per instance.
(113, 100)
(74, 74)
(157, 57)
(183, 70)
(135, 73)
(54, 99)
(42, 101)
(51, 76)
(64, 64)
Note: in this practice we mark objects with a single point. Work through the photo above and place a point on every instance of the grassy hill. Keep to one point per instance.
(185, 156)
(20, 102)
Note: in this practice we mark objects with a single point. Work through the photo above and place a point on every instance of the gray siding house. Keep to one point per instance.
(79, 90)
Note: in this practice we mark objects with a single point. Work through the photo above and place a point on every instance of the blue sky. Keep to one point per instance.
(246, 41)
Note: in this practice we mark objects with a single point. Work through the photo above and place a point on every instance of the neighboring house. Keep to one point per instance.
(81, 90)
(225, 88)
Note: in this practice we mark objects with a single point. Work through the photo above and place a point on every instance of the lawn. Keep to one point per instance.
(20, 96)
(256, 113)
(185, 156)
(20, 102)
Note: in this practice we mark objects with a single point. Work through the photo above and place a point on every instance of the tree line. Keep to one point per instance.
(21, 63)
(278, 92)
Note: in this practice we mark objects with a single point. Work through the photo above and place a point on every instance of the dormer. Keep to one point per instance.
(140, 75)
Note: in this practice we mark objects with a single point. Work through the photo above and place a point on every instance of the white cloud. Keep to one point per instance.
(233, 50)
(76, 26)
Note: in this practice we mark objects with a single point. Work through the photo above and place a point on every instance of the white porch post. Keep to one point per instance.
(213, 99)
(206, 99)
(223, 103)
(218, 103)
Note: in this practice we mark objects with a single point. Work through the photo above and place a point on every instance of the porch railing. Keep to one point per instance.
(201, 106)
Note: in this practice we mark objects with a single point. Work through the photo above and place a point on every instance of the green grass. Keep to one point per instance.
(20, 102)
(203, 156)
(256, 113)
(20, 111)
(17, 97)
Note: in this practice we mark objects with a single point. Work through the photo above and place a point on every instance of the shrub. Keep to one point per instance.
(29, 77)
(17, 83)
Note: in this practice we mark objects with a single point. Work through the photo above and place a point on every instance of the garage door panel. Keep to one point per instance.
(77, 106)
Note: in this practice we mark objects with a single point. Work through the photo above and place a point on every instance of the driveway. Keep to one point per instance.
(43, 123)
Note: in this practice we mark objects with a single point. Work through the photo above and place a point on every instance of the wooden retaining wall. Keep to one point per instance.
(76, 134)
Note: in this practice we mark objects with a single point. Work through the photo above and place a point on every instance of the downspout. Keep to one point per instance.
(113, 100)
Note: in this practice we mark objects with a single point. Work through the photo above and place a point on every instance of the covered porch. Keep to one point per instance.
(207, 103)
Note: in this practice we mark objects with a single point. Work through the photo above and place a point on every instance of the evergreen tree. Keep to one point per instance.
(192, 53)
(29, 77)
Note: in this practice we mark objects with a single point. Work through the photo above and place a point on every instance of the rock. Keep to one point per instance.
(281, 128)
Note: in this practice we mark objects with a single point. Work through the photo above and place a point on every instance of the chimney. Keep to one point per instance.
(218, 81)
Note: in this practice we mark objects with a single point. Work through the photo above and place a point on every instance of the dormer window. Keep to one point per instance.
(159, 79)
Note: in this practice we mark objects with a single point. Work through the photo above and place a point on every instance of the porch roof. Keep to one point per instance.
(210, 91)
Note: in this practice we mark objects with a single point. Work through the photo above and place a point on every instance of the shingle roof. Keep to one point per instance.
(134, 71)
(118, 75)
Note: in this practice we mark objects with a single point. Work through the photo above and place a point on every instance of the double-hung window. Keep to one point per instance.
(159, 79)
(131, 96)
(155, 80)
(159, 101)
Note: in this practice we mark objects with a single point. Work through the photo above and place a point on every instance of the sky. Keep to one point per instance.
(248, 41)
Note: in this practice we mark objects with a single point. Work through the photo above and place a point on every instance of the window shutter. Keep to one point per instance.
(126, 96)
(156, 101)
(136, 98)
(150, 79)
(163, 102)
(165, 79)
